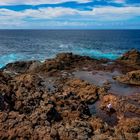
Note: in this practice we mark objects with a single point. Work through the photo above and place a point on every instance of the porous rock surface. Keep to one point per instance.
(132, 78)
(44, 101)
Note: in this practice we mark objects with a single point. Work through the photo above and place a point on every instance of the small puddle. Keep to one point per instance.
(100, 77)
(110, 118)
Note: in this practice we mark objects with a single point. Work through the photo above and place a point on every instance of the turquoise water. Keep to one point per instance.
(18, 45)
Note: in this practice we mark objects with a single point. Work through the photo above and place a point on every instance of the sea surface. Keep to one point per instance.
(16, 45)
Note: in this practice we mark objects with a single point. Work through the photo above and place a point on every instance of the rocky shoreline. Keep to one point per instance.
(66, 98)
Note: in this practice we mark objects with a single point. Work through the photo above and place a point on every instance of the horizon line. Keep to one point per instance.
(71, 29)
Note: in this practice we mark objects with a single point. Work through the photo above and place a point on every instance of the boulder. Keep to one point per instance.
(131, 57)
(132, 78)
(21, 66)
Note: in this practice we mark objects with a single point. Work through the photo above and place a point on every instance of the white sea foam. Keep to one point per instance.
(41, 45)
(99, 54)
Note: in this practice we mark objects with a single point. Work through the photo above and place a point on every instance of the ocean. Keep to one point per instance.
(18, 45)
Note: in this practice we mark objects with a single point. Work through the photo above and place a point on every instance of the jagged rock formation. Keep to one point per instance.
(131, 57)
(132, 78)
(44, 101)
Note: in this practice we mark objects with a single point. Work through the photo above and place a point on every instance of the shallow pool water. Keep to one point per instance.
(110, 118)
(99, 78)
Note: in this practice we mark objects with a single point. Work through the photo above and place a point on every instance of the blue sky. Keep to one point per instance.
(69, 14)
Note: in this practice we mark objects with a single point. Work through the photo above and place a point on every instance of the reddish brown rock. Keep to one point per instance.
(21, 66)
(86, 91)
(129, 127)
(132, 78)
(131, 57)
(75, 129)
(44, 101)
(121, 105)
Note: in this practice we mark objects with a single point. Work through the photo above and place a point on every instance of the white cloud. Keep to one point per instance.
(97, 14)
(118, 1)
(50, 13)
(37, 2)
(109, 10)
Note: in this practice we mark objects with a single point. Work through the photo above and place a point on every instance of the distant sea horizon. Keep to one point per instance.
(69, 29)
(40, 44)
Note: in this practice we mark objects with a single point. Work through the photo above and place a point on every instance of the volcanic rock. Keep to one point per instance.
(75, 129)
(131, 57)
(132, 78)
(21, 66)
(86, 91)
(30, 109)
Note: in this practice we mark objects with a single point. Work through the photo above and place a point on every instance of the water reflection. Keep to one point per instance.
(99, 78)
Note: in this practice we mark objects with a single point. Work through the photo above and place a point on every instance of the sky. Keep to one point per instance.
(69, 14)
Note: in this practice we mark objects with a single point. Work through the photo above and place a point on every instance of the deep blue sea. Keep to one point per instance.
(18, 45)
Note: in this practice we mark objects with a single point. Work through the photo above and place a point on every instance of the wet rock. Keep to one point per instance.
(35, 65)
(131, 57)
(32, 109)
(69, 58)
(121, 105)
(21, 66)
(63, 61)
(59, 63)
(132, 78)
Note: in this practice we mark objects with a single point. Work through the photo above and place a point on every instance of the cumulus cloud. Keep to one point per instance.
(37, 2)
(97, 14)
(50, 13)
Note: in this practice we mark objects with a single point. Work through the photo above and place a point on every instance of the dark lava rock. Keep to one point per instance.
(28, 110)
(52, 114)
(131, 57)
(75, 130)
(2, 104)
(21, 66)
(63, 61)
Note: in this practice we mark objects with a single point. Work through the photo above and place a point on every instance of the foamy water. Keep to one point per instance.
(16, 45)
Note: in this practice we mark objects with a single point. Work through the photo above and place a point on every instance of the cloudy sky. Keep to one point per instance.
(69, 14)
